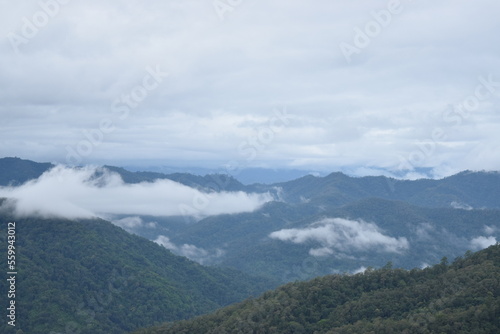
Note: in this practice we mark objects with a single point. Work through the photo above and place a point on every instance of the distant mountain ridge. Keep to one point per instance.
(16, 171)
(465, 189)
(211, 182)
(476, 189)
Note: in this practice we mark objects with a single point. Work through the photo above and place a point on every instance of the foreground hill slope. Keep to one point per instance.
(93, 277)
(463, 297)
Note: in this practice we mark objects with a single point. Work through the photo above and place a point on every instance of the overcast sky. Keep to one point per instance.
(320, 85)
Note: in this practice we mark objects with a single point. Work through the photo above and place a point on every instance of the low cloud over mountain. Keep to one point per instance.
(93, 191)
(482, 242)
(192, 252)
(336, 235)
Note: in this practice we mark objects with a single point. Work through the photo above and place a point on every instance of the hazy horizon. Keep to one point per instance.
(262, 174)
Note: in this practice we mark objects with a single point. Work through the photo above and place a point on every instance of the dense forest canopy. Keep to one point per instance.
(93, 277)
(462, 297)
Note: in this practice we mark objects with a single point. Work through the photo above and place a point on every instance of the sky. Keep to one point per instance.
(366, 86)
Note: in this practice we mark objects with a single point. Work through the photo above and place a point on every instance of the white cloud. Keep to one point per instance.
(424, 265)
(90, 191)
(360, 270)
(192, 252)
(479, 243)
(463, 206)
(342, 235)
(424, 231)
(165, 242)
(323, 251)
(490, 229)
(134, 223)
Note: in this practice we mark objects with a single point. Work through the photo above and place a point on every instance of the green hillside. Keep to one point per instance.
(463, 297)
(93, 277)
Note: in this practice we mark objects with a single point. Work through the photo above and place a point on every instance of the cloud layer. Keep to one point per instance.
(91, 191)
(479, 243)
(192, 252)
(341, 235)
(134, 223)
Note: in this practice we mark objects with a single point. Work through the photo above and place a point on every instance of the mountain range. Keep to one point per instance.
(98, 278)
(464, 190)
(318, 225)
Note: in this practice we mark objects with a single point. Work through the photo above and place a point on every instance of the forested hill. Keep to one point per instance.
(463, 297)
(93, 277)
